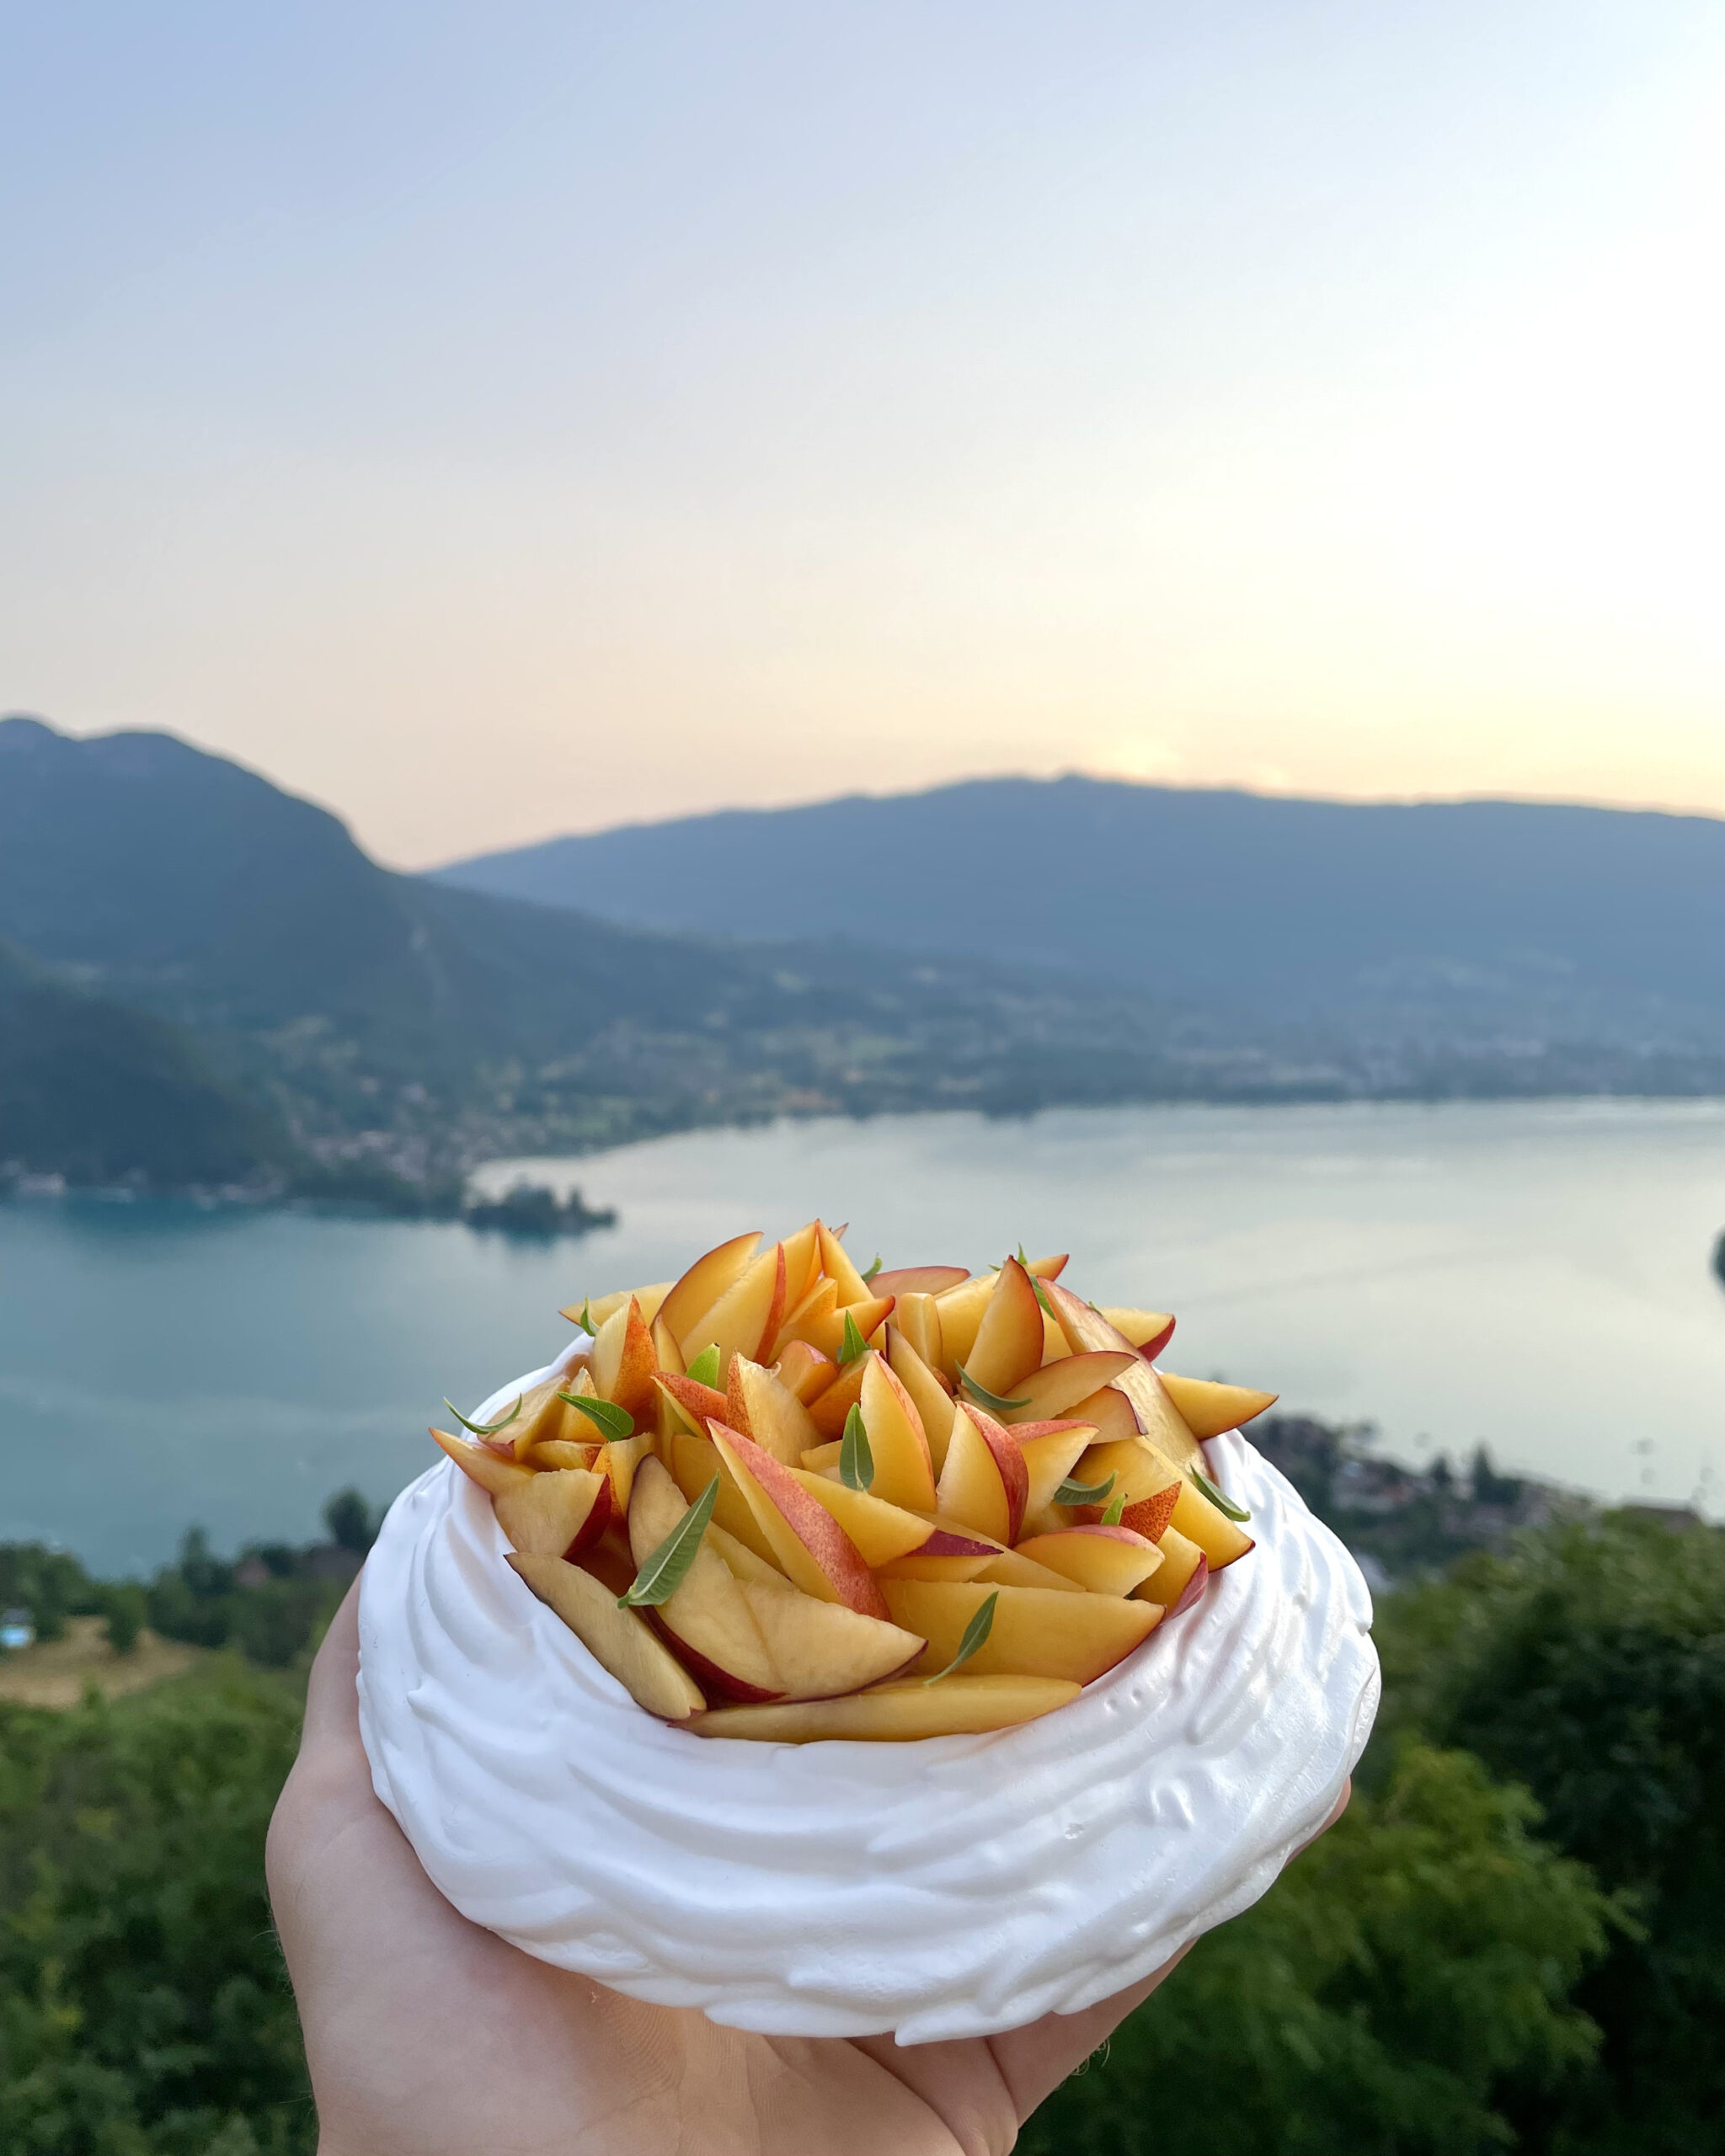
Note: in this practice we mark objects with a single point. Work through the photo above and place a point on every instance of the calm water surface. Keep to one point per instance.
(1532, 1275)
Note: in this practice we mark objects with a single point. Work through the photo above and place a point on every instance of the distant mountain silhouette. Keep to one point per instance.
(393, 1024)
(1553, 922)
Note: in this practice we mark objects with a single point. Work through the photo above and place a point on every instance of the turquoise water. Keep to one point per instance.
(1533, 1275)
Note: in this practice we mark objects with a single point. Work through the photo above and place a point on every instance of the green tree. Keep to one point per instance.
(1381, 1998)
(127, 1608)
(349, 1519)
(1588, 1661)
(143, 2011)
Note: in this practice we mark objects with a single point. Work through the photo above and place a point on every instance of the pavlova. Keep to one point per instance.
(844, 1651)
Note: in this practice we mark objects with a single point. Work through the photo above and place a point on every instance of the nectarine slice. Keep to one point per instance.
(556, 1514)
(957, 1706)
(821, 1649)
(706, 1280)
(1208, 1408)
(620, 1640)
(903, 1473)
(1036, 1632)
(707, 1619)
(1105, 1560)
(806, 1542)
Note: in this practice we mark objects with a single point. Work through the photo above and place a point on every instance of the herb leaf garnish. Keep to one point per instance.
(868, 1277)
(667, 1567)
(704, 1370)
(853, 1344)
(855, 1458)
(1048, 1308)
(980, 1392)
(1220, 1498)
(486, 1429)
(588, 1323)
(975, 1632)
(1074, 1493)
(616, 1422)
(1117, 1508)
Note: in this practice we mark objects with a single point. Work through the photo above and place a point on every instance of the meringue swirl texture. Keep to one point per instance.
(953, 1887)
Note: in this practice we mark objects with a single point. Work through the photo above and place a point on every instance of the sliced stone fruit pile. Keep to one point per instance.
(781, 1499)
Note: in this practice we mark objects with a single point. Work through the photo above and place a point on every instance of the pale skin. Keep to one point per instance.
(428, 2036)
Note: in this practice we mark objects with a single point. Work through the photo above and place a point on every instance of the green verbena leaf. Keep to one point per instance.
(616, 1422)
(855, 1458)
(869, 1276)
(704, 1370)
(853, 1344)
(1220, 1498)
(1112, 1516)
(981, 1393)
(1071, 1493)
(588, 1323)
(975, 1632)
(486, 1429)
(666, 1570)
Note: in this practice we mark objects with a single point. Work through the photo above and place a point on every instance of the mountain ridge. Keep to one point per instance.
(1409, 913)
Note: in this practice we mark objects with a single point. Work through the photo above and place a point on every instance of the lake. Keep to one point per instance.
(1533, 1276)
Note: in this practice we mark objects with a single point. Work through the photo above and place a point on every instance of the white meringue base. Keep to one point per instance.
(956, 1886)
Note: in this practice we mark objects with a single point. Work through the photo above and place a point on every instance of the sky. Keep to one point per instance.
(493, 421)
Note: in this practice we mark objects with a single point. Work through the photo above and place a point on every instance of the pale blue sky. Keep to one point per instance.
(494, 420)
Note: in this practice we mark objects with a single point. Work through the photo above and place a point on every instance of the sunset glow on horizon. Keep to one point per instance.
(535, 419)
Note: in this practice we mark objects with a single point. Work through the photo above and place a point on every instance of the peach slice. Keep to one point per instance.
(950, 1553)
(903, 1472)
(812, 1321)
(1048, 1268)
(985, 1482)
(802, 1263)
(1036, 1632)
(927, 1394)
(1050, 1453)
(693, 1462)
(563, 1452)
(802, 1538)
(709, 1278)
(1208, 1408)
(600, 1307)
(1151, 1517)
(709, 1619)
(960, 1311)
(556, 1515)
(763, 1409)
(957, 1706)
(745, 1317)
(1105, 1560)
(1142, 1471)
(880, 1531)
(665, 1351)
(803, 1371)
(821, 1648)
(620, 1459)
(1008, 1342)
(1149, 1331)
(829, 1410)
(1057, 1388)
(1012, 1568)
(743, 1560)
(1158, 1416)
(919, 1280)
(917, 1317)
(835, 1264)
(618, 1640)
(700, 1404)
(624, 1363)
(1180, 1578)
(494, 1474)
(1110, 1412)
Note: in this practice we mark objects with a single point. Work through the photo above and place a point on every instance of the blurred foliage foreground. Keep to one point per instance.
(1513, 1939)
